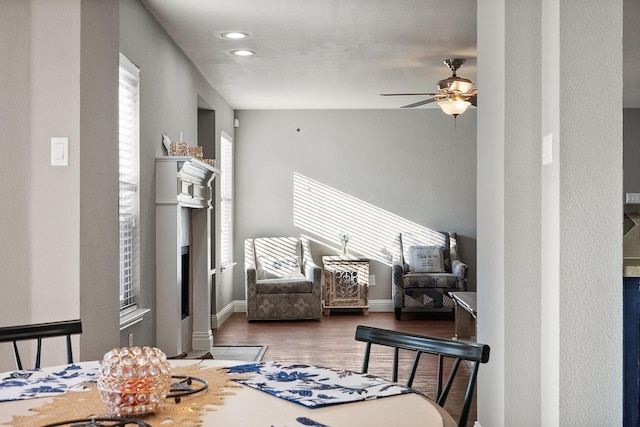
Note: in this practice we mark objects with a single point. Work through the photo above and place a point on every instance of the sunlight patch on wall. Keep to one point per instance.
(324, 213)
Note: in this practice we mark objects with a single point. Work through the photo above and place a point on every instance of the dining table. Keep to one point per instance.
(269, 394)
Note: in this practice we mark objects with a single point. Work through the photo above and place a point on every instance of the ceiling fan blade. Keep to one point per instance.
(407, 94)
(419, 103)
(473, 100)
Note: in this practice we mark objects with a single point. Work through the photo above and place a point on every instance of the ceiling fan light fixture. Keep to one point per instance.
(454, 107)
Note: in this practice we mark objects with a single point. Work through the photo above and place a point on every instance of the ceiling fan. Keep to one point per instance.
(454, 95)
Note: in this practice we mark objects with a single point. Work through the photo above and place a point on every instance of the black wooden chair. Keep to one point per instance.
(472, 353)
(38, 332)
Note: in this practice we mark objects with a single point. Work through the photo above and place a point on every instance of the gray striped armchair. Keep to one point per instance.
(281, 280)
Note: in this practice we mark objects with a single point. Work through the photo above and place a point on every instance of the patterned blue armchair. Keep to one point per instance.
(425, 269)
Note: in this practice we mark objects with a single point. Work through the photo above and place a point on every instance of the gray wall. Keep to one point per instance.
(59, 227)
(55, 257)
(15, 185)
(386, 170)
(631, 150)
(171, 89)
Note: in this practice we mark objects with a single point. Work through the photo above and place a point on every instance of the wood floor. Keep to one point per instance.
(331, 343)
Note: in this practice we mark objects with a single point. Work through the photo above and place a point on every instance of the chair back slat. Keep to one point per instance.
(414, 369)
(365, 360)
(439, 376)
(16, 354)
(472, 353)
(37, 332)
(441, 396)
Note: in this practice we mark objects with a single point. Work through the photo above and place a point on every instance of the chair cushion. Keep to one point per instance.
(284, 286)
(430, 238)
(279, 267)
(278, 257)
(426, 259)
(430, 280)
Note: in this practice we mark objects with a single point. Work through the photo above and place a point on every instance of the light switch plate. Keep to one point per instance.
(59, 151)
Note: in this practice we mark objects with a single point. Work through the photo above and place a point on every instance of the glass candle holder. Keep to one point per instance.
(134, 381)
(178, 149)
(195, 151)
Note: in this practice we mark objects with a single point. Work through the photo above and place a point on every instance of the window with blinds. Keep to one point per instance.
(226, 201)
(129, 176)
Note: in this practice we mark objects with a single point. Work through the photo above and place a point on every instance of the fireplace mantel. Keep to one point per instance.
(183, 183)
(185, 180)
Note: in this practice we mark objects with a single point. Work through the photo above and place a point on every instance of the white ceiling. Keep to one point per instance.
(338, 53)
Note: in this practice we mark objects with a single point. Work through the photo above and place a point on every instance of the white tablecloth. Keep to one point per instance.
(247, 406)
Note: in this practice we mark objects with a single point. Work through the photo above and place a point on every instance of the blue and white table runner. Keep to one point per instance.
(29, 384)
(311, 386)
(314, 386)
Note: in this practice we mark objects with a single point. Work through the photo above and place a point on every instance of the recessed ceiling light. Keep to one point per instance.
(242, 52)
(234, 35)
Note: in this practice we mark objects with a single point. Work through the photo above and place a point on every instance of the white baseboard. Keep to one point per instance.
(381, 305)
(240, 306)
(220, 317)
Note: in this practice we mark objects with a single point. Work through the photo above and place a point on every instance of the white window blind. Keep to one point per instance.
(129, 176)
(226, 202)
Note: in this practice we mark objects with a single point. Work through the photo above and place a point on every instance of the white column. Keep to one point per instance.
(202, 336)
(168, 260)
(550, 235)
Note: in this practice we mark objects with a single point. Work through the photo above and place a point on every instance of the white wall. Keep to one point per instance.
(491, 210)
(550, 219)
(556, 345)
(522, 209)
(590, 187)
(415, 165)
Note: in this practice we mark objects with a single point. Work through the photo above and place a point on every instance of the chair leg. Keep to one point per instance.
(414, 368)
(398, 313)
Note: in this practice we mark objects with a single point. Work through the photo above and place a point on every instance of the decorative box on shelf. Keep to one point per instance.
(346, 283)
